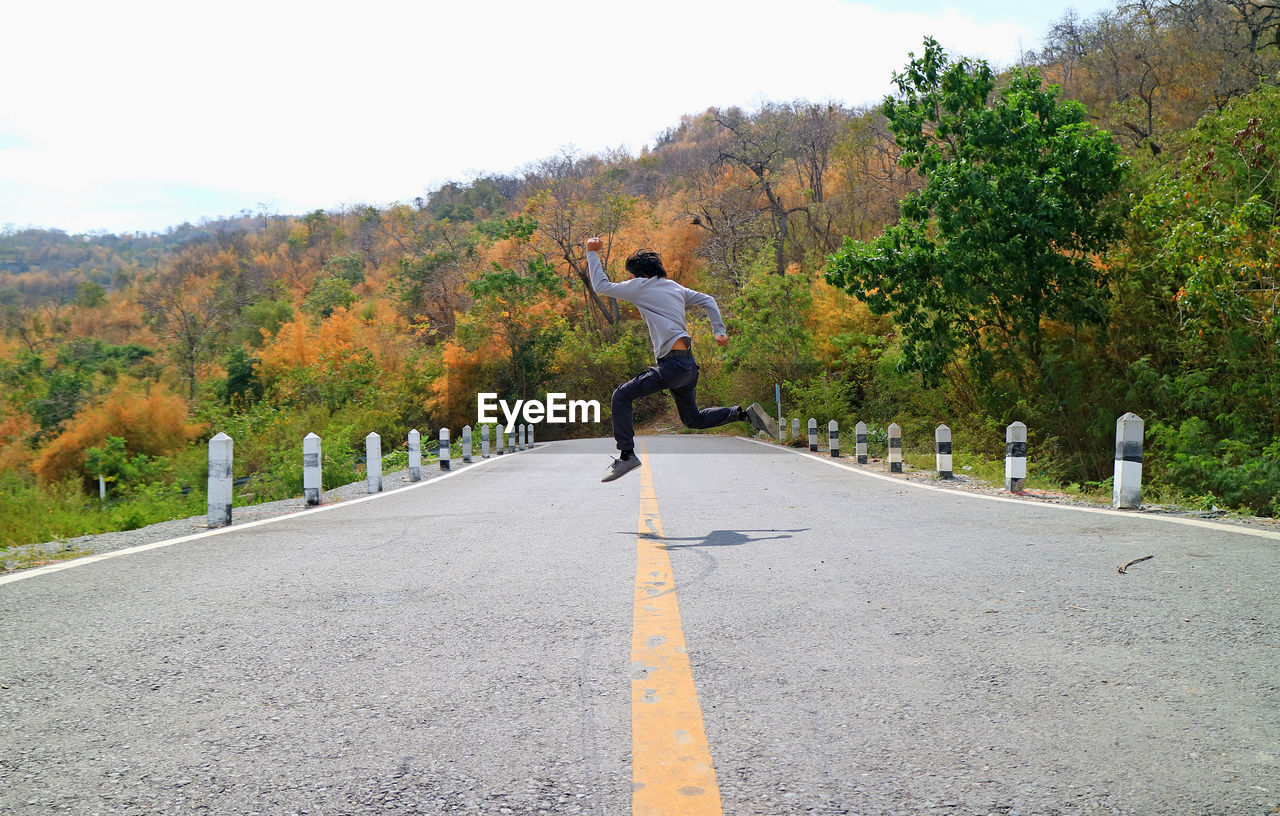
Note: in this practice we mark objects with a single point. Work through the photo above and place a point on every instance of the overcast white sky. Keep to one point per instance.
(139, 115)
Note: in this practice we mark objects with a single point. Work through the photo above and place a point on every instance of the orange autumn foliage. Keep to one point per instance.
(117, 321)
(290, 348)
(15, 430)
(452, 396)
(150, 421)
(674, 235)
(836, 313)
(298, 344)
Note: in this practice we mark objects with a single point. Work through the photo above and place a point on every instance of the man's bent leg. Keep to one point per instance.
(642, 385)
(685, 391)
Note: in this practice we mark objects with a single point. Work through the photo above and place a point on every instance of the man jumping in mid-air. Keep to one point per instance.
(662, 303)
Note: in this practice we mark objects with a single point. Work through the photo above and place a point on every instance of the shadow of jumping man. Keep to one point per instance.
(715, 538)
(699, 545)
(721, 538)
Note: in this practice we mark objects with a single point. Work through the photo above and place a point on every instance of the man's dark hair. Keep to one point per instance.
(645, 263)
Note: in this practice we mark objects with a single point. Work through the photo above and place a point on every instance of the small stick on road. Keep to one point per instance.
(1121, 569)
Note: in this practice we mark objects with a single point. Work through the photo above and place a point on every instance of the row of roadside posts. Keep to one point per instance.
(222, 449)
(1126, 490)
(1126, 493)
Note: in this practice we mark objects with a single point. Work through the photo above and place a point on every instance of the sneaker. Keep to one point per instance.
(761, 421)
(621, 467)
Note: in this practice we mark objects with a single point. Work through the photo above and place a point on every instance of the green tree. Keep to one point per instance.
(516, 303)
(1202, 297)
(263, 316)
(242, 384)
(1020, 194)
(90, 294)
(328, 296)
(64, 394)
(333, 289)
(770, 342)
(349, 267)
(112, 462)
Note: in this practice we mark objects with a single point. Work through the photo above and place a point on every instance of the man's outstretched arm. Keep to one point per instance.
(599, 280)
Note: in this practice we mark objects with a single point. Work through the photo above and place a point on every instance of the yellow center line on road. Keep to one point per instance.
(672, 771)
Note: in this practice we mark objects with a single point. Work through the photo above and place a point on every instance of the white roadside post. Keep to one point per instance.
(833, 438)
(373, 461)
(311, 470)
(221, 453)
(466, 443)
(444, 449)
(795, 427)
(415, 456)
(813, 435)
(531, 427)
(1126, 489)
(484, 441)
(1015, 458)
(895, 448)
(511, 440)
(102, 488)
(942, 441)
(520, 436)
(777, 396)
(860, 442)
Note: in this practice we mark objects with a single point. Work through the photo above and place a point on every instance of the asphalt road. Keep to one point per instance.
(481, 644)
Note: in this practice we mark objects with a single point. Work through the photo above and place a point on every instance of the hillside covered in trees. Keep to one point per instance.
(949, 256)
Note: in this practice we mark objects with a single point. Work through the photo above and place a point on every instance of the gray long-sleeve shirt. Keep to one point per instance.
(661, 301)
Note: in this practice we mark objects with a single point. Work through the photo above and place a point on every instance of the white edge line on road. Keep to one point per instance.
(1226, 528)
(310, 511)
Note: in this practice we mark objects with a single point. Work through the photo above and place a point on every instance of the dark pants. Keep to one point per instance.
(679, 375)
